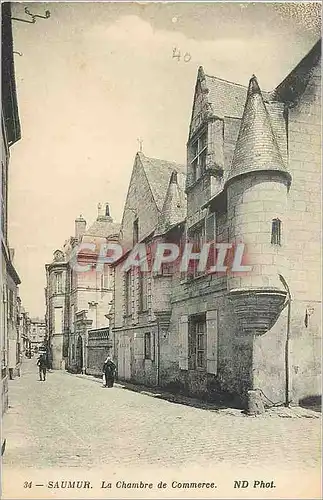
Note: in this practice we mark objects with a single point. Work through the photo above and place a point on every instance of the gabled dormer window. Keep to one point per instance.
(198, 156)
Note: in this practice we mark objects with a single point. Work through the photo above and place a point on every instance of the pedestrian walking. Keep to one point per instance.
(42, 365)
(109, 371)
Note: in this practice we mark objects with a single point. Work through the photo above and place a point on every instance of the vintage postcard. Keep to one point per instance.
(161, 250)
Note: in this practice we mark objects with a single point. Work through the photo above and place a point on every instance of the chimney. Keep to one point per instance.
(80, 227)
(104, 211)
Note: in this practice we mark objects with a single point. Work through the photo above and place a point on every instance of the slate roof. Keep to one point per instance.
(103, 227)
(174, 208)
(227, 98)
(158, 173)
(295, 82)
(256, 148)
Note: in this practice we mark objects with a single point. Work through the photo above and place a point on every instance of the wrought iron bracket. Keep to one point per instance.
(33, 17)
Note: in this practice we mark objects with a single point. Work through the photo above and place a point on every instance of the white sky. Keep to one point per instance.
(96, 76)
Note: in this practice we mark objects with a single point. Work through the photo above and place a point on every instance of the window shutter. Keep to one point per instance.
(124, 294)
(135, 285)
(210, 237)
(139, 346)
(183, 343)
(212, 341)
(210, 234)
(134, 282)
(152, 344)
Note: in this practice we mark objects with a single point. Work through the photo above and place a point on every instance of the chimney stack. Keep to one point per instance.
(80, 227)
(104, 211)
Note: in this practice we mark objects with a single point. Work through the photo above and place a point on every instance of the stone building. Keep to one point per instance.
(78, 299)
(253, 177)
(37, 335)
(156, 187)
(24, 329)
(56, 306)
(10, 134)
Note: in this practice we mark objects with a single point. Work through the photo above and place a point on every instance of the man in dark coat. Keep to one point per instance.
(42, 365)
(109, 370)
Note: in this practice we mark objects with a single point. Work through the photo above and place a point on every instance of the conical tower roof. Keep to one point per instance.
(256, 148)
(174, 207)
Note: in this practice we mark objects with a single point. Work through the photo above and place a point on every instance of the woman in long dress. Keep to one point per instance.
(109, 371)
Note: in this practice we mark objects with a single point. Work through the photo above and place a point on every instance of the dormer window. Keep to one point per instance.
(198, 156)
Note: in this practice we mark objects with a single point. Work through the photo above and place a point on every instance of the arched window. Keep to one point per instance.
(276, 227)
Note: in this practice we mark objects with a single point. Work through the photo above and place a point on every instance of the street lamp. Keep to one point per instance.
(288, 304)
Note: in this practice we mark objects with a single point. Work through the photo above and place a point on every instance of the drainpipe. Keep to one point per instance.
(288, 304)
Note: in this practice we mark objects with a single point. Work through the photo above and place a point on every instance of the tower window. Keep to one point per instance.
(276, 232)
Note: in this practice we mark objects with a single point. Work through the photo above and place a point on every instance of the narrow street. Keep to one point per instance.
(72, 422)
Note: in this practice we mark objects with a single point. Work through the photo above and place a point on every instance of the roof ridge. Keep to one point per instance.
(226, 81)
(238, 84)
(149, 158)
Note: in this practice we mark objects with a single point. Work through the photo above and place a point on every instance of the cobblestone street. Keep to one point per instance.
(69, 421)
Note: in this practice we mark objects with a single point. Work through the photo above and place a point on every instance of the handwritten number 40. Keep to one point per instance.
(177, 55)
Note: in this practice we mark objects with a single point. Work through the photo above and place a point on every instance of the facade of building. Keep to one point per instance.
(37, 336)
(24, 329)
(78, 299)
(155, 197)
(10, 134)
(253, 177)
(56, 303)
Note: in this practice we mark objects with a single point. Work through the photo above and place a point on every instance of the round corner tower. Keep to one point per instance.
(257, 186)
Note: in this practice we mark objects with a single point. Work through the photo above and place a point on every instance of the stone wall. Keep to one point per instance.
(139, 204)
(98, 347)
(302, 250)
(234, 353)
(253, 202)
